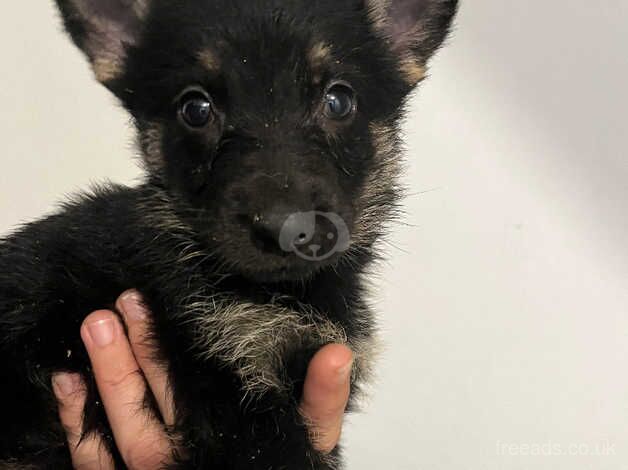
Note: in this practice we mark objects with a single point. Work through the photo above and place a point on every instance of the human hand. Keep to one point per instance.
(124, 369)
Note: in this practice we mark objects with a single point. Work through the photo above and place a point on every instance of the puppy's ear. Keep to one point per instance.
(414, 30)
(104, 30)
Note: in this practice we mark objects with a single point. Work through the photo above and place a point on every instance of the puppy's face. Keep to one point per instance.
(271, 123)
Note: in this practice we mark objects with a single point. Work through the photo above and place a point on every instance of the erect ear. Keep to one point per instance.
(103, 30)
(414, 30)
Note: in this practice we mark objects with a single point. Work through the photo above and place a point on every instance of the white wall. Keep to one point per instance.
(505, 302)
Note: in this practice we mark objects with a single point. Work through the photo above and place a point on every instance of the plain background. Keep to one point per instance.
(504, 304)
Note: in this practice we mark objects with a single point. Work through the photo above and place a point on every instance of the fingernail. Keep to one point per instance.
(65, 384)
(132, 306)
(102, 332)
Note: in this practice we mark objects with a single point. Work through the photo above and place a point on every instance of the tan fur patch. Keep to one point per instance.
(140, 7)
(150, 141)
(107, 58)
(106, 69)
(413, 71)
(319, 55)
(209, 60)
(254, 339)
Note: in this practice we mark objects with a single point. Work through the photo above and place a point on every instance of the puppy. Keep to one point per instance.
(269, 136)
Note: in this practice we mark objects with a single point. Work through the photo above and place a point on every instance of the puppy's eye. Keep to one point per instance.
(339, 101)
(195, 108)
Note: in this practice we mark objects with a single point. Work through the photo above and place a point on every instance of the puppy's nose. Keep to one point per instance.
(282, 229)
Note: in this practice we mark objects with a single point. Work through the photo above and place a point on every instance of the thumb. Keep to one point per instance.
(326, 394)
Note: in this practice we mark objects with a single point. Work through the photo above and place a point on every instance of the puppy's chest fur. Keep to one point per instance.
(257, 340)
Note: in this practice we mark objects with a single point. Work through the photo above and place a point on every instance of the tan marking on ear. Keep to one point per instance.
(411, 68)
(413, 71)
(106, 69)
(209, 60)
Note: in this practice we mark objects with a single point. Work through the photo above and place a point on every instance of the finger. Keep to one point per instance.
(89, 453)
(140, 438)
(135, 316)
(326, 394)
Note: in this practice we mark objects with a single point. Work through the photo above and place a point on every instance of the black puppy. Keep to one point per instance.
(269, 135)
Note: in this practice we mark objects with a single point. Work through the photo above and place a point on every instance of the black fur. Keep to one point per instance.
(187, 237)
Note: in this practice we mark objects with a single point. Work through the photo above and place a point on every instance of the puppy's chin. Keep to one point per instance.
(270, 270)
